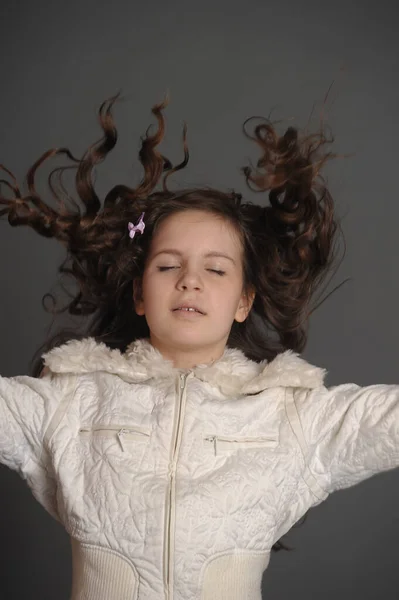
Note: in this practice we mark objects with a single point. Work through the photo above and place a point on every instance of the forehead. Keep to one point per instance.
(196, 230)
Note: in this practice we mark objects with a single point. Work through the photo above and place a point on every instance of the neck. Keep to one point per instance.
(188, 357)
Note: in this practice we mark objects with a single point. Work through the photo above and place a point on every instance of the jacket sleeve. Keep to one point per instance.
(27, 410)
(348, 433)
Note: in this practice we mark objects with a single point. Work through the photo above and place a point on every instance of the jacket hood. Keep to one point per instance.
(233, 373)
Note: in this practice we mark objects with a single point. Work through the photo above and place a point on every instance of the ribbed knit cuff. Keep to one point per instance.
(102, 574)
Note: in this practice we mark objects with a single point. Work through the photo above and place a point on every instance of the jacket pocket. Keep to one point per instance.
(222, 444)
(123, 434)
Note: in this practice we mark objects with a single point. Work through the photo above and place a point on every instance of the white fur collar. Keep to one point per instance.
(233, 373)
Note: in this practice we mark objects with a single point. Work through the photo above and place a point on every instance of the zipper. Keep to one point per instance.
(170, 495)
(121, 431)
(228, 442)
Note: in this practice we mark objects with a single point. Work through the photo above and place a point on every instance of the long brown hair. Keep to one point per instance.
(289, 245)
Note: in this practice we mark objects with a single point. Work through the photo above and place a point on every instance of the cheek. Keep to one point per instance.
(227, 299)
(149, 284)
(155, 291)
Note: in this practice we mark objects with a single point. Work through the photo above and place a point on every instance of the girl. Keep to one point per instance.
(180, 435)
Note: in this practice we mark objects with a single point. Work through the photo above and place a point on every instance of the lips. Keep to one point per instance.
(187, 306)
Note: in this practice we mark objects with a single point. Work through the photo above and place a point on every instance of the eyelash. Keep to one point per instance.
(220, 273)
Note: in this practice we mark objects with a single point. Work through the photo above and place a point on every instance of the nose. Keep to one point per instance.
(189, 280)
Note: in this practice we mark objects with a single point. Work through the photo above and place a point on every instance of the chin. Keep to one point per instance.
(190, 341)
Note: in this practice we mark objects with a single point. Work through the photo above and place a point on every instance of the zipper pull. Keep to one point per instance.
(119, 435)
(213, 439)
(182, 381)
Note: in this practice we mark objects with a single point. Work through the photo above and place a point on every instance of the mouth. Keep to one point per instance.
(188, 310)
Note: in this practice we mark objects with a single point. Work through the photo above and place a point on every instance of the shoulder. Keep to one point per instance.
(289, 370)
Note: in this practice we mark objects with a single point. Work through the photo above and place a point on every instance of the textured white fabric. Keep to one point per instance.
(101, 574)
(234, 575)
(173, 484)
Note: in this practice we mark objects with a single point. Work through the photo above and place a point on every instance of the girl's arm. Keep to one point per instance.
(348, 433)
(29, 409)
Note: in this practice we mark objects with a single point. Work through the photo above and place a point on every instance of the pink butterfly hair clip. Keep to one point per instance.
(139, 227)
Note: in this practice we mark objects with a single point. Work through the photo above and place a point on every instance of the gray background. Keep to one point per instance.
(222, 62)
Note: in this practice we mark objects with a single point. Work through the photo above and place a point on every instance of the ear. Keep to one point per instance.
(138, 296)
(245, 305)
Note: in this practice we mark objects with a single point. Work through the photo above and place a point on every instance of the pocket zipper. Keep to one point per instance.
(225, 441)
(119, 430)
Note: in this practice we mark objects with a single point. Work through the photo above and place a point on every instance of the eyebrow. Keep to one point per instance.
(214, 253)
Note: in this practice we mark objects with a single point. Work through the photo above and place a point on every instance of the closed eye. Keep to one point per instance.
(220, 273)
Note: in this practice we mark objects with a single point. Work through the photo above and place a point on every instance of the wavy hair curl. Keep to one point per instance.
(288, 245)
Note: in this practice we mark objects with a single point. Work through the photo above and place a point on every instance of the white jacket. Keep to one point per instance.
(175, 485)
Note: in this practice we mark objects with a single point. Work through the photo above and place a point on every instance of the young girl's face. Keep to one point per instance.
(195, 260)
